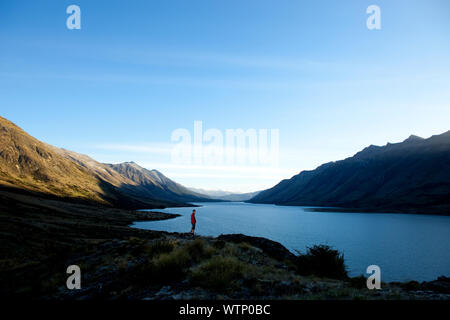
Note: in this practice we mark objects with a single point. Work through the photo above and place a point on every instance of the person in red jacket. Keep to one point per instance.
(193, 221)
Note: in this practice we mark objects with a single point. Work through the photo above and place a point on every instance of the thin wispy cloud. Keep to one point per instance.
(250, 83)
(185, 57)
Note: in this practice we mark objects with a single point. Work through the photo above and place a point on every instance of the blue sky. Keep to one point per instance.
(138, 70)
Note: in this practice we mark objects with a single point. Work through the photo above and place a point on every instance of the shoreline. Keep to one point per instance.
(315, 208)
(119, 261)
(310, 208)
(369, 211)
(293, 251)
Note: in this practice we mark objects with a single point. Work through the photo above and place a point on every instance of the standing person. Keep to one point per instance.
(193, 221)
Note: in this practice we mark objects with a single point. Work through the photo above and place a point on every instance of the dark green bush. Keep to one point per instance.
(322, 261)
(411, 286)
(359, 282)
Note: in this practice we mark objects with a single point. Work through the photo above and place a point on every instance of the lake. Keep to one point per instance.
(405, 246)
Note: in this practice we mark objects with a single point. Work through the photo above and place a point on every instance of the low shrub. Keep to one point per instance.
(359, 282)
(411, 286)
(322, 261)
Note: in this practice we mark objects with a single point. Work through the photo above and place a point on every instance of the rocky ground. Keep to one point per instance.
(41, 237)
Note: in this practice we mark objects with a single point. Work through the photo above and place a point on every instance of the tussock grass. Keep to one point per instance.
(159, 247)
(219, 244)
(218, 273)
(149, 249)
(245, 246)
(169, 260)
(199, 250)
(170, 266)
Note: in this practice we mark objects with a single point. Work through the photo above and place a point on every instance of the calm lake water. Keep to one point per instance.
(405, 246)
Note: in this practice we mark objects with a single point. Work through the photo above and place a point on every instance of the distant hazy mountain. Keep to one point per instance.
(411, 176)
(226, 195)
(29, 164)
(239, 196)
(211, 193)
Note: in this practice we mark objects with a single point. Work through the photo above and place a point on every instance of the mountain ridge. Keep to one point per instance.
(35, 166)
(410, 176)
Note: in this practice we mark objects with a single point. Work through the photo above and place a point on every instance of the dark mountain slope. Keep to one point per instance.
(411, 176)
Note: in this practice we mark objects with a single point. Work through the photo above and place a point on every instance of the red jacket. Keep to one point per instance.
(193, 221)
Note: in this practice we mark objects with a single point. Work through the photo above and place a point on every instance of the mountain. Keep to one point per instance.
(27, 164)
(226, 195)
(410, 176)
(154, 184)
(212, 193)
(239, 197)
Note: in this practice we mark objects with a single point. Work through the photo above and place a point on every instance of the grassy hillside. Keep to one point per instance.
(29, 164)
